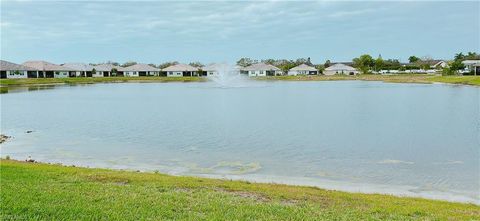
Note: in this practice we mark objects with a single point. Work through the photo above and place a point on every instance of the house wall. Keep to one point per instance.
(16, 74)
(97, 74)
(334, 72)
(131, 73)
(174, 74)
(212, 73)
(60, 74)
(298, 72)
(257, 73)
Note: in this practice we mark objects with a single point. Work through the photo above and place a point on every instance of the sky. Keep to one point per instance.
(224, 31)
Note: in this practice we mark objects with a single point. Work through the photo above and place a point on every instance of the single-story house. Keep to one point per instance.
(436, 64)
(212, 69)
(340, 68)
(83, 70)
(49, 70)
(303, 69)
(109, 70)
(262, 69)
(137, 70)
(472, 66)
(180, 70)
(12, 70)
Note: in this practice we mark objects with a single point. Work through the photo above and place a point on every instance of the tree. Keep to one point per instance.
(327, 64)
(196, 64)
(129, 63)
(364, 63)
(379, 63)
(167, 64)
(413, 59)
(459, 57)
(244, 62)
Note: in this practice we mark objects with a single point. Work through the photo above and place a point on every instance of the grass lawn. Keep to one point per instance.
(401, 78)
(35, 191)
(90, 80)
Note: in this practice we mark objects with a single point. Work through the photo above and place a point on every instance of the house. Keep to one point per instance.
(137, 70)
(179, 70)
(472, 66)
(83, 70)
(340, 68)
(436, 64)
(262, 69)
(109, 70)
(303, 69)
(49, 70)
(12, 70)
(212, 69)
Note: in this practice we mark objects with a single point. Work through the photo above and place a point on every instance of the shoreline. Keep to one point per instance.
(110, 194)
(400, 78)
(400, 191)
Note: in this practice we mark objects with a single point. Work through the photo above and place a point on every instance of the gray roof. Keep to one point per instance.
(9, 66)
(471, 62)
(78, 66)
(303, 67)
(46, 66)
(107, 67)
(340, 67)
(180, 67)
(140, 67)
(261, 67)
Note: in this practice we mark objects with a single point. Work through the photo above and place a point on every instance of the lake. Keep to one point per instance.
(403, 139)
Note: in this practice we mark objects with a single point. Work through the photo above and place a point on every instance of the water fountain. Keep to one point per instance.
(227, 76)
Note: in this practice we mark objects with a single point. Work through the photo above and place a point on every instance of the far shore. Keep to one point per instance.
(400, 78)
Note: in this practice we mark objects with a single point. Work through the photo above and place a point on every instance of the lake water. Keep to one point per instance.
(402, 139)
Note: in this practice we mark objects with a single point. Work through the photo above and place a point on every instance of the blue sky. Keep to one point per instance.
(215, 31)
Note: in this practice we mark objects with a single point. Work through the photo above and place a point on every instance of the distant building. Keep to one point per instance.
(83, 70)
(436, 64)
(262, 69)
(140, 70)
(303, 69)
(109, 70)
(472, 66)
(180, 70)
(12, 70)
(49, 70)
(340, 69)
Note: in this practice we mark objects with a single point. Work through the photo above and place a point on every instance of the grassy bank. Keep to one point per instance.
(34, 191)
(90, 80)
(403, 78)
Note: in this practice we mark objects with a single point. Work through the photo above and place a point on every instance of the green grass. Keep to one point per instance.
(33, 191)
(91, 80)
(400, 78)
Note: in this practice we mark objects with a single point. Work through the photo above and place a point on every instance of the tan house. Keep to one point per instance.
(303, 69)
(340, 69)
(262, 69)
(83, 70)
(49, 70)
(180, 70)
(12, 70)
(137, 70)
(109, 70)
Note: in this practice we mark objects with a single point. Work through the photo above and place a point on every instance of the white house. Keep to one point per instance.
(262, 69)
(137, 70)
(12, 70)
(180, 70)
(472, 66)
(83, 70)
(49, 70)
(303, 69)
(109, 70)
(340, 69)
